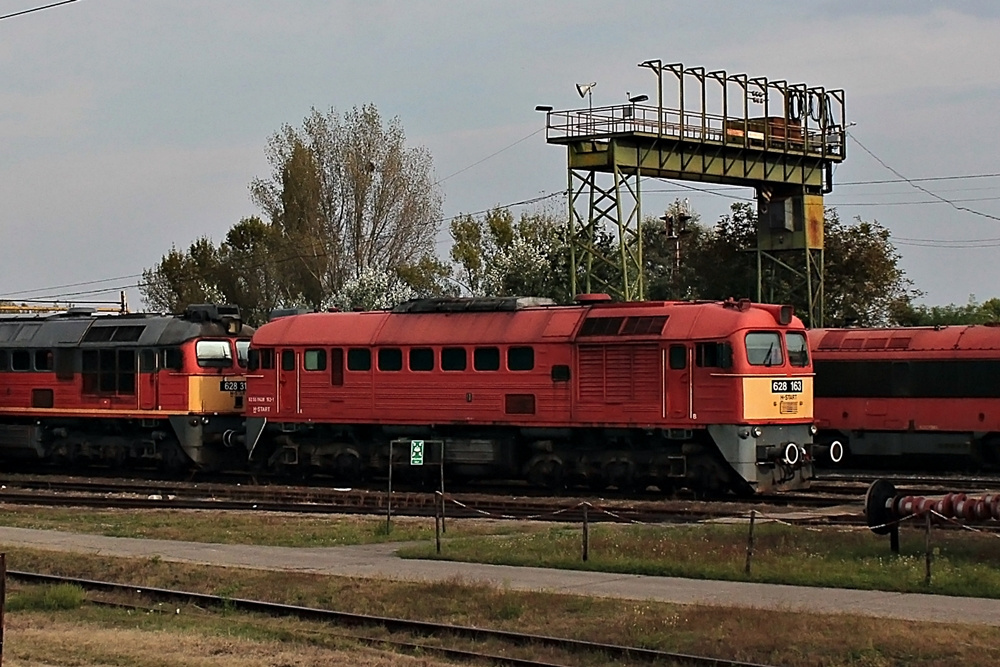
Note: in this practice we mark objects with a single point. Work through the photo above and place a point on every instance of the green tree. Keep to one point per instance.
(972, 312)
(864, 284)
(182, 278)
(498, 256)
(348, 194)
(346, 199)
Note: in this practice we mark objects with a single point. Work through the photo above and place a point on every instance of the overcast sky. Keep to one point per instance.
(129, 126)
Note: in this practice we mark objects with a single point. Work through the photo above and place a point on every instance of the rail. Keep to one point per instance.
(772, 133)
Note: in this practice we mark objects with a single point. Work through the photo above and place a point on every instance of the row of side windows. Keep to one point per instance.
(390, 359)
(92, 362)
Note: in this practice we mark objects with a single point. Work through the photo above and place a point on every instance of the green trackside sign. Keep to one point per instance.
(416, 452)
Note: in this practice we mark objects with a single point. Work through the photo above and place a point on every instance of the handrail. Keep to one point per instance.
(772, 133)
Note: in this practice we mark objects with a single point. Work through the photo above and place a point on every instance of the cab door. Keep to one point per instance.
(149, 380)
(288, 383)
(678, 359)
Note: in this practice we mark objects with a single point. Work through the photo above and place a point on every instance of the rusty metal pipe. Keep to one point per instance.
(883, 505)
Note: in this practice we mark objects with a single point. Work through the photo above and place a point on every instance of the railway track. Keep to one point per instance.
(460, 637)
(142, 494)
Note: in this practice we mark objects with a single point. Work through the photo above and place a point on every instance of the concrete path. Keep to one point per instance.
(379, 561)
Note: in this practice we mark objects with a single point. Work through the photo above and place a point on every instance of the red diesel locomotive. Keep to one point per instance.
(711, 396)
(81, 388)
(910, 397)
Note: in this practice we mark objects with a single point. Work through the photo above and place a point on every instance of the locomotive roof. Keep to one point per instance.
(904, 340)
(511, 323)
(86, 328)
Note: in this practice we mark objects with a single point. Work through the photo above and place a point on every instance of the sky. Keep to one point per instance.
(128, 127)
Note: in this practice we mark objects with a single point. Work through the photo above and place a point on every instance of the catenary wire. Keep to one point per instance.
(35, 9)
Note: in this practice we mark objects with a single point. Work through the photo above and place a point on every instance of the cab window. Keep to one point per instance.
(242, 352)
(764, 348)
(214, 353)
(798, 348)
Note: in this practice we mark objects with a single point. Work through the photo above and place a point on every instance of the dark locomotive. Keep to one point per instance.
(166, 391)
(910, 398)
(711, 396)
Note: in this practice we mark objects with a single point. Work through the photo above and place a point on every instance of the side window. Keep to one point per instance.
(486, 359)
(337, 367)
(390, 359)
(521, 358)
(126, 372)
(288, 360)
(20, 360)
(560, 373)
(453, 359)
(267, 359)
(147, 361)
(90, 366)
(713, 355)
(4, 361)
(678, 357)
(253, 360)
(173, 358)
(314, 360)
(43, 360)
(421, 359)
(359, 359)
(64, 358)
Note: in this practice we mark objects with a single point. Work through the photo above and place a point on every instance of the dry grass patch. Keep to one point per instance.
(784, 638)
(40, 640)
(263, 528)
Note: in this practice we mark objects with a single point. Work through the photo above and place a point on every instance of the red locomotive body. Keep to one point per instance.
(77, 387)
(908, 395)
(707, 395)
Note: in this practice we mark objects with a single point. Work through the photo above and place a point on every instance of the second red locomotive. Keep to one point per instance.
(713, 396)
(910, 397)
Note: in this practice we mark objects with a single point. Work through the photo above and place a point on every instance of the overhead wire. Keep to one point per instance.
(35, 9)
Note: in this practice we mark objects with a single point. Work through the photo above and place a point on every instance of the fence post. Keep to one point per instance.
(586, 533)
(3, 599)
(443, 529)
(927, 550)
(438, 521)
(750, 543)
(894, 539)
(388, 502)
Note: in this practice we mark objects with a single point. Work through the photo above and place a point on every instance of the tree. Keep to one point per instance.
(864, 284)
(248, 276)
(182, 278)
(347, 194)
(497, 256)
(346, 200)
(973, 312)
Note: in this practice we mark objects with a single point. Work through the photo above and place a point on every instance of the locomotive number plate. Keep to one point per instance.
(233, 385)
(786, 386)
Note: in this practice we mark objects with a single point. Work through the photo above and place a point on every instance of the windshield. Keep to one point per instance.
(242, 352)
(214, 353)
(798, 349)
(764, 348)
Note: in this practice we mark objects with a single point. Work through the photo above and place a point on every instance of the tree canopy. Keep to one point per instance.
(347, 205)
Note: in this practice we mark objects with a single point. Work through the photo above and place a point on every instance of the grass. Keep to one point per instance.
(963, 563)
(37, 635)
(263, 528)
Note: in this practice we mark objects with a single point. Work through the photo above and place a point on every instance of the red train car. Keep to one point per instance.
(714, 396)
(910, 397)
(79, 387)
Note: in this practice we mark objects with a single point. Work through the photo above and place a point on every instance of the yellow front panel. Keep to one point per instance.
(205, 394)
(778, 398)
